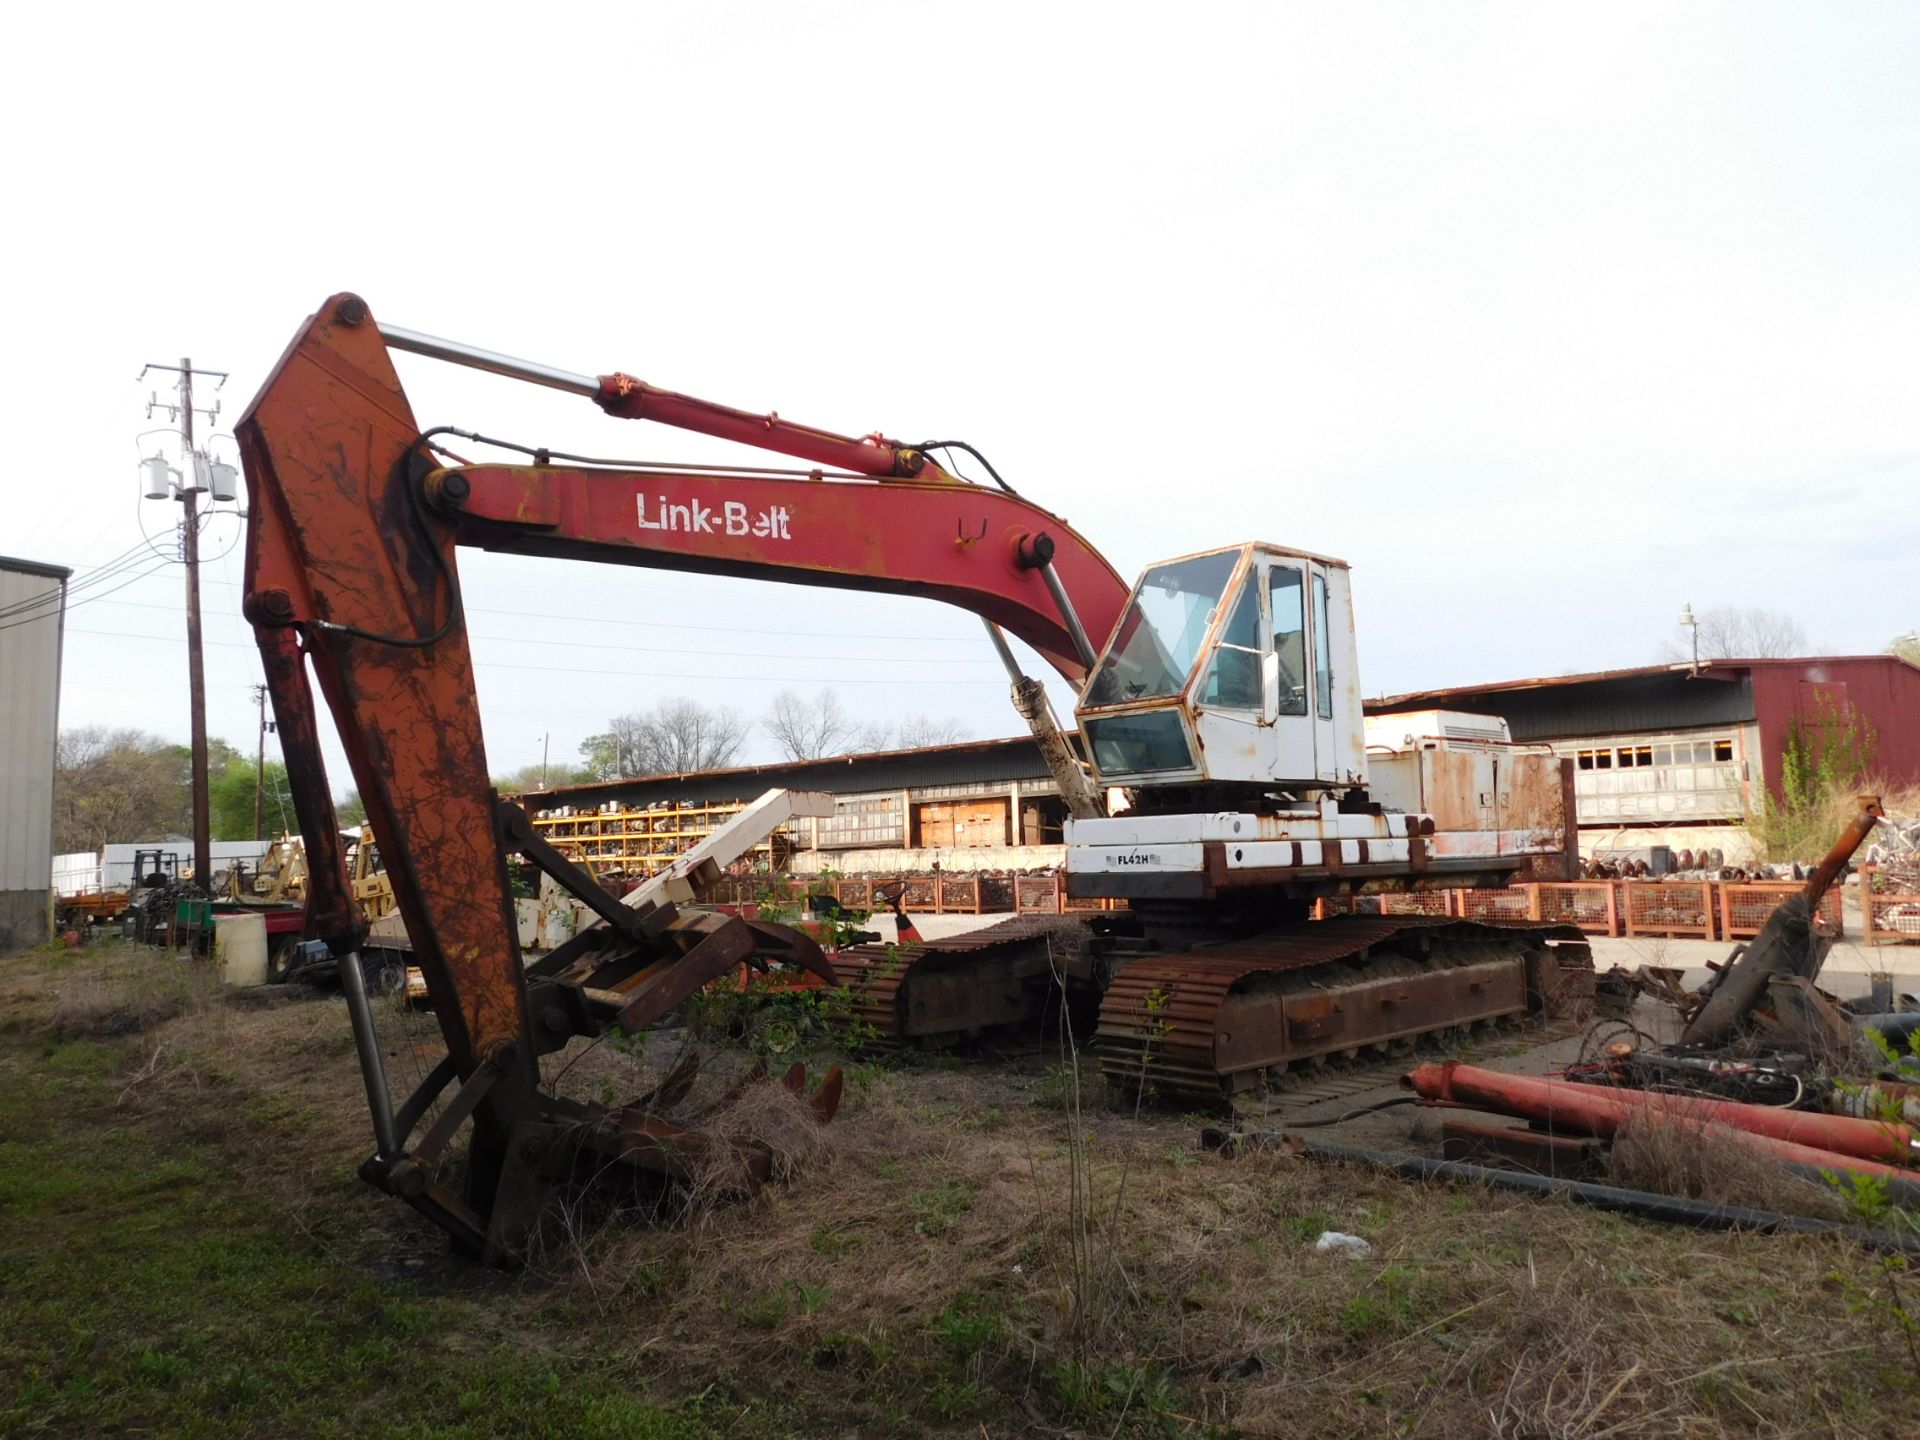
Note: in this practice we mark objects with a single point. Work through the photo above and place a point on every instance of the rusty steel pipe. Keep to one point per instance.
(1834, 1140)
(1836, 860)
(1788, 944)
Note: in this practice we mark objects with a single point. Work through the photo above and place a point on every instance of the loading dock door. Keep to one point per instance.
(961, 824)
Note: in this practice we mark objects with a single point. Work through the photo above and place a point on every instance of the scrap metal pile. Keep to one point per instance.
(1766, 1061)
(1768, 1069)
(1891, 878)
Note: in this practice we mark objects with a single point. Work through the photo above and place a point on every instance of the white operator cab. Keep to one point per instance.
(1233, 666)
(1236, 670)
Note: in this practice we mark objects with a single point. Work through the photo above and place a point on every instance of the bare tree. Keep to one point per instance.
(808, 729)
(675, 737)
(1740, 632)
(918, 730)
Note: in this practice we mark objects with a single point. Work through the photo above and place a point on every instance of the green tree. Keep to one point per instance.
(118, 786)
(1828, 752)
(230, 794)
(530, 778)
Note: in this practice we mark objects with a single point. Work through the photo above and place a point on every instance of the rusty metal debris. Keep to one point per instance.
(1571, 1157)
(1789, 945)
(1771, 1068)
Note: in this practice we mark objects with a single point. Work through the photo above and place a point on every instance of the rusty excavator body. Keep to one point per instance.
(1223, 708)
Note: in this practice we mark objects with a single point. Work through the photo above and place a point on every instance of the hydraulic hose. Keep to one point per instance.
(1700, 1214)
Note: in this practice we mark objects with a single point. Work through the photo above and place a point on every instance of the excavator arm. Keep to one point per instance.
(352, 580)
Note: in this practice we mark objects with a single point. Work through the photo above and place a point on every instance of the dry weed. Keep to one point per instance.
(764, 1124)
(127, 999)
(915, 1273)
(1670, 1156)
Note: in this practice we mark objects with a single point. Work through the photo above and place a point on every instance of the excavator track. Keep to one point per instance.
(1218, 1020)
(935, 992)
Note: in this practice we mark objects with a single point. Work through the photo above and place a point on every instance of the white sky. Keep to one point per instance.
(1549, 319)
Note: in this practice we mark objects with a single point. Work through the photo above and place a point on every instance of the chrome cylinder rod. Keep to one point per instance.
(1081, 645)
(373, 1074)
(491, 361)
(1014, 672)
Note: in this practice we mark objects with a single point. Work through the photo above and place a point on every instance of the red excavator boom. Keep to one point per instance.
(351, 575)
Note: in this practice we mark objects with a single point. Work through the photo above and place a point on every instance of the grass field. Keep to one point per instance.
(185, 1250)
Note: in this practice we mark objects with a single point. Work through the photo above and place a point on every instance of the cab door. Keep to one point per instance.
(1324, 648)
(1289, 668)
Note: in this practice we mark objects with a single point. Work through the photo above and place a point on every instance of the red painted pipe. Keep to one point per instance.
(1597, 1110)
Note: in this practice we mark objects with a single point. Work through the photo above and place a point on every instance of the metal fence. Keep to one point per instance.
(1682, 910)
(1689, 909)
(1888, 917)
(1593, 905)
(1516, 902)
(1745, 906)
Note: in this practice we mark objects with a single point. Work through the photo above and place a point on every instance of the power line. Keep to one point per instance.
(573, 644)
(35, 619)
(50, 600)
(708, 629)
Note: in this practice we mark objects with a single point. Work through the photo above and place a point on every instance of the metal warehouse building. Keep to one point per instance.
(33, 603)
(1662, 754)
(978, 805)
(1679, 755)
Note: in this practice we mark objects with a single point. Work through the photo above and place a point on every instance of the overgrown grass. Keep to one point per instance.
(185, 1250)
(158, 1281)
(1805, 826)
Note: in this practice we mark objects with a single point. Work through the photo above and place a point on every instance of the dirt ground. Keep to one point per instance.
(978, 1246)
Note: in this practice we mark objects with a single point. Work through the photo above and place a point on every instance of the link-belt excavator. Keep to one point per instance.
(1222, 788)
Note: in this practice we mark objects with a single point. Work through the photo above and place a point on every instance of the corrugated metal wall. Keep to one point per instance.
(1626, 704)
(1880, 692)
(32, 603)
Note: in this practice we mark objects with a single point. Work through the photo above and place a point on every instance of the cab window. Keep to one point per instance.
(1233, 675)
(1288, 607)
(1322, 654)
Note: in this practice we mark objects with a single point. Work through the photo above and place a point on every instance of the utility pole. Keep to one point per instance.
(198, 473)
(544, 739)
(196, 661)
(260, 767)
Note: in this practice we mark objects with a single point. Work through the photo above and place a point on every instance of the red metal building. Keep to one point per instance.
(1686, 751)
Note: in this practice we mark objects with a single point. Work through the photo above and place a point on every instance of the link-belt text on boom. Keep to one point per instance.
(730, 517)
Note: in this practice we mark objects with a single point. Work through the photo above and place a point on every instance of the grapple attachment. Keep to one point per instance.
(622, 976)
(617, 986)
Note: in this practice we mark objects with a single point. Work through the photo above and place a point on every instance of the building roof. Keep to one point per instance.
(1011, 757)
(34, 567)
(1725, 670)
